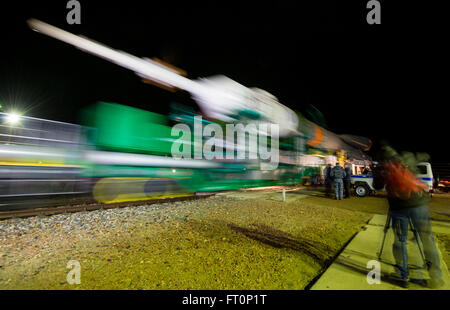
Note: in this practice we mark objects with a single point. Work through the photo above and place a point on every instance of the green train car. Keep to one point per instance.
(131, 156)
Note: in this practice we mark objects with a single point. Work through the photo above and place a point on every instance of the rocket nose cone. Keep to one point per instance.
(32, 23)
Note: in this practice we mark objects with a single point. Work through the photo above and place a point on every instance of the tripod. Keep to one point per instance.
(413, 229)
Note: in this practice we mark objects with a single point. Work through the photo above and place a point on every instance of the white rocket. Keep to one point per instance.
(218, 97)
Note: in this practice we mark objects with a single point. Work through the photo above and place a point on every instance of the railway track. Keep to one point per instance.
(91, 206)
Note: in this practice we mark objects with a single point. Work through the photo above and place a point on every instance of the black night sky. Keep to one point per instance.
(380, 81)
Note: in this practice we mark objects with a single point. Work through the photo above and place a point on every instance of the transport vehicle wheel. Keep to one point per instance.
(361, 191)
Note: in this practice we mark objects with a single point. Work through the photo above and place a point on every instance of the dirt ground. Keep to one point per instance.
(214, 243)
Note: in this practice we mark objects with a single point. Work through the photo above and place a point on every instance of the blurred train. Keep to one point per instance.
(121, 153)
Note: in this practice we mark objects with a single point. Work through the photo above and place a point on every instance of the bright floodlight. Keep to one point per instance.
(12, 118)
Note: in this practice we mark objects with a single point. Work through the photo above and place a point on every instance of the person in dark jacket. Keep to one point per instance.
(347, 180)
(328, 180)
(366, 170)
(338, 174)
(407, 199)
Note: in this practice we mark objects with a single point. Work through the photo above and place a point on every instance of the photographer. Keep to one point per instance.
(407, 199)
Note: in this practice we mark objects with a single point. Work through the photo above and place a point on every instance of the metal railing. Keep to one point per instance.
(31, 131)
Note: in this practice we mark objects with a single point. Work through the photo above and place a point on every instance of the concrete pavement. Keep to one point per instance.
(272, 195)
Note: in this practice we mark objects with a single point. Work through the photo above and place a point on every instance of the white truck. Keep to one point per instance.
(363, 183)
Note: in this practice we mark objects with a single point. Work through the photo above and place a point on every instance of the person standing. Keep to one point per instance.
(338, 174)
(347, 180)
(408, 200)
(328, 180)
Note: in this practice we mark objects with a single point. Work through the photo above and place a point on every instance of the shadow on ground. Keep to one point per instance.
(280, 239)
(386, 277)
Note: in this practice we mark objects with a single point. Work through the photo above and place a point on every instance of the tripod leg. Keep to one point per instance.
(386, 228)
(417, 241)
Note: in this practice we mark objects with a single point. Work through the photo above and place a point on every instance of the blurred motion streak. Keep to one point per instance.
(121, 153)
